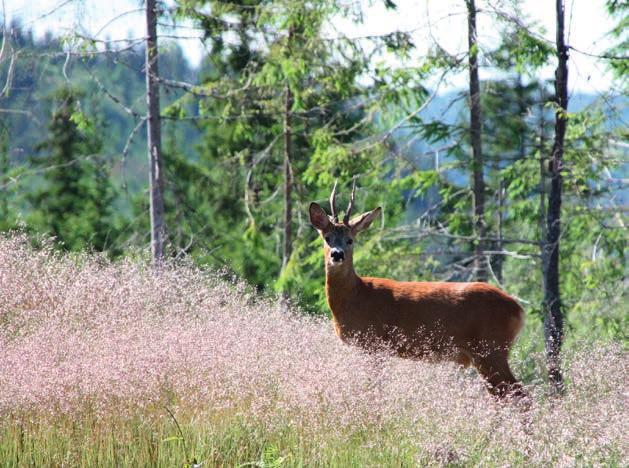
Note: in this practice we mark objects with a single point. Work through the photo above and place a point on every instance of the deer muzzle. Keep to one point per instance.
(337, 255)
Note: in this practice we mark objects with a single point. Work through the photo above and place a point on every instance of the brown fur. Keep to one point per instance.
(468, 323)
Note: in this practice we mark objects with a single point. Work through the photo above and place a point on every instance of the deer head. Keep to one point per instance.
(338, 237)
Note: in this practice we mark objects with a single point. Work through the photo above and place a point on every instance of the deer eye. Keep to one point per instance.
(349, 241)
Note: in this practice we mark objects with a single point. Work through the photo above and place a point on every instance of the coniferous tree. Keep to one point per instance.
(283, 106)
(74, 194)
(616, 56)
(7, 214)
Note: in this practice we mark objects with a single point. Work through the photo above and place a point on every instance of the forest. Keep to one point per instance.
(119, 157)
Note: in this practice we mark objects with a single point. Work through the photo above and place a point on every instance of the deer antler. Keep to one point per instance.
(335, 215)
(348, 213)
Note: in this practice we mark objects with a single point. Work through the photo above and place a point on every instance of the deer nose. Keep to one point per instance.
(337, 255)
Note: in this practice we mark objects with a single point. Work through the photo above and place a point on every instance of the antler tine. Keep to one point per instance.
(348, 213)
(335, 215)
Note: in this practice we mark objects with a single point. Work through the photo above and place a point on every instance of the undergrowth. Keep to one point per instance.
(116, 364)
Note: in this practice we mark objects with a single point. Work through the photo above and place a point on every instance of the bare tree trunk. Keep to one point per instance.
(480, 263)
(553, 318)
(156, 176)
(519, 89)
(288, 179)
(542, 188)
(499, 259)
(4, 171)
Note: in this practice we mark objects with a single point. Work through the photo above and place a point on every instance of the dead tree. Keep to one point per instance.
(153, 124)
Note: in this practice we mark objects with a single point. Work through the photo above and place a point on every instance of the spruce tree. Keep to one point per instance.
(283, 106)
(73, 197)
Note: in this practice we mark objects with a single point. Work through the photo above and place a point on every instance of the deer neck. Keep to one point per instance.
(340, 284)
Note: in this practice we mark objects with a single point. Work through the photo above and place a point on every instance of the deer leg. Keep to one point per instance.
(500, 381)
(462, 357)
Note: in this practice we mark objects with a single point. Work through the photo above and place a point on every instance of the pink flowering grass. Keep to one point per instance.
(98, 360)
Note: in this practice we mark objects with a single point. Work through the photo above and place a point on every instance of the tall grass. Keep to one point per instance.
(117, 364)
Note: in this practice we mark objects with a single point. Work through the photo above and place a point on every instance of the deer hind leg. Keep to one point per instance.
(463, 357)
(495, 370)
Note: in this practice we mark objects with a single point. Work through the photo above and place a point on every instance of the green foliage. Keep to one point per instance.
(245, 151)
(38, 73)
(522, 51)
(359, 108)
(73, 200)
(619, 61)
(8, 219)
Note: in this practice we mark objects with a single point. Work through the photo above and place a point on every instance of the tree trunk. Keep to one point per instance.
(288, 179)
(480, 263)
(156, 176)
(499, 259)
(553, 319)
(542, 188)
(4, 171)
(522, 110)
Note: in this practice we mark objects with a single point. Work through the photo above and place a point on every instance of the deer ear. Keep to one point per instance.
(318, 218)
(362, 222)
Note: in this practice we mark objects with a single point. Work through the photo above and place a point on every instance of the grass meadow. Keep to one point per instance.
(113, 364)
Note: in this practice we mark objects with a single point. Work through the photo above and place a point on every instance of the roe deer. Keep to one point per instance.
(469, 323)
